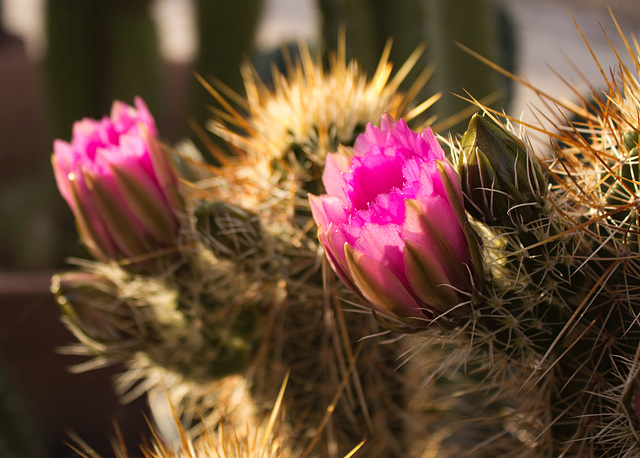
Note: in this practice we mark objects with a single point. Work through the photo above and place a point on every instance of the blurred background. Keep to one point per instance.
(61, 60)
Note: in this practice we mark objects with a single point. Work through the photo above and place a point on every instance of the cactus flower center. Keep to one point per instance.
(373, 175)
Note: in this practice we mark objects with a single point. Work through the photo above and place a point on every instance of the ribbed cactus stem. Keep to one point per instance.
(529, 320)
(92, 48)
(560, 308)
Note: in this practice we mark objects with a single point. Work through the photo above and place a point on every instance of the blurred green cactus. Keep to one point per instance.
(484, 26)
(98, 51)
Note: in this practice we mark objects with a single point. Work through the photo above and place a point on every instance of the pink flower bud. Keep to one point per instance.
(119, 183)
(393, 227)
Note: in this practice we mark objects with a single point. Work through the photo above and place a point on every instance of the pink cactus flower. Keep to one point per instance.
(392, 225)
(119, 183)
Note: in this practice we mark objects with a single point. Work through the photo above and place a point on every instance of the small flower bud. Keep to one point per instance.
(91, 305)
(229, 231)
(630, 140)
(503, 183)
(120, 184)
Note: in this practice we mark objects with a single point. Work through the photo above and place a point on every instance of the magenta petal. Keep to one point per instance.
(392, 227)
(90, 226)
(122, 197)
(145, 117)
(432, 144)
(435, 220)
(373, 136)
(162, 170)
(402, 136)
(438, 231)
(383, 243)
(121, 222)
(62, 162)
(428, 278)
(146, 202)
(63, 152)
(332, 177)
(453, 178)
(327, 209)
(372, 175)
(317, 210)
(133, 154)
(387, 122)
(335, 239)
(388, 208)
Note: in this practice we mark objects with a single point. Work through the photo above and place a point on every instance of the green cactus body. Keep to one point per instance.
(247, 297)
(559, 312)
(544, 361)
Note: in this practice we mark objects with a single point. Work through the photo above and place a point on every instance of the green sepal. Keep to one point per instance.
(100, 248)
(155, 216)
(477, 260)
(427, 281)
(377, 294)
(128, 241)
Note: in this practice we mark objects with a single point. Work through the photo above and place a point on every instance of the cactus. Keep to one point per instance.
(244, 301)
(534, 355)
(316, 111)
(560, 310)
(596, 176)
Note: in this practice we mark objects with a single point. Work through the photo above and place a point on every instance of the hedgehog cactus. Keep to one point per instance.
(244, 297)
(284, 140)
(508, 285)
(559, 315)
(549, 341)
(597, 178)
